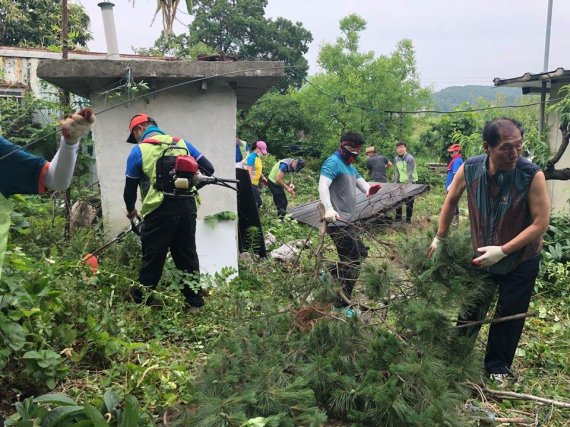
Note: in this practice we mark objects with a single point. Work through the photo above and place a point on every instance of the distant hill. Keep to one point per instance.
(452, 96)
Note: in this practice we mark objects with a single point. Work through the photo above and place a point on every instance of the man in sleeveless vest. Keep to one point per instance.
(278, 186)
(337, 190)
(405, 173)
(169, 215)
(508, 213)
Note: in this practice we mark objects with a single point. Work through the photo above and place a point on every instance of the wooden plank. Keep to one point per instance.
(388, 197)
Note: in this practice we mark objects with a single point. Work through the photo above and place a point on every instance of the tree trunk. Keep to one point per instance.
(559, 174)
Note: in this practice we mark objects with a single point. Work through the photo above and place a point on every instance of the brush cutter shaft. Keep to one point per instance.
(136, 224)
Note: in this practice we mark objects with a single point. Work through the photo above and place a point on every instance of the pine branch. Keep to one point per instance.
(514, 420)
(498, 319)
(523, 396)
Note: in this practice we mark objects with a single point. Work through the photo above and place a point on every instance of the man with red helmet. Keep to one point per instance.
(165, 164)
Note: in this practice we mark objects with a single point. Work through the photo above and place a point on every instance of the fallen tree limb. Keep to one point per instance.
(522, 396)
(498, 319)
(514, 420)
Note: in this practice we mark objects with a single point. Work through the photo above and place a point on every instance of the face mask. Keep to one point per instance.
(347, 155)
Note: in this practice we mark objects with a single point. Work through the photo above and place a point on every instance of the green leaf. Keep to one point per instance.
(15, 336)
(58, 415)
(56, 398)
(95, 416)
(129, 416)
(112, 400)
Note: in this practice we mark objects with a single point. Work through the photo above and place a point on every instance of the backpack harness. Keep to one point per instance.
(174, 172)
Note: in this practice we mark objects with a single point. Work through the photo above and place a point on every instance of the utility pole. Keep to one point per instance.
(545, 67)
(65, 101)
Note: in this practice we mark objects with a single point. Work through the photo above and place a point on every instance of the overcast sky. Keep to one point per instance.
(457, 42)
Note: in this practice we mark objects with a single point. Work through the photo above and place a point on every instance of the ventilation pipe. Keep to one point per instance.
(110, 31)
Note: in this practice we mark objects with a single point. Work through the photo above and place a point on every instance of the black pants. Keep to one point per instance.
(171, 226)
(351, 252)
(279, 198)
(515, 290)
(257, 195)
(409, 211)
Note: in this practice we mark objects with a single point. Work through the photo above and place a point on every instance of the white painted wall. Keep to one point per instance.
(559, 191)
(207, 119)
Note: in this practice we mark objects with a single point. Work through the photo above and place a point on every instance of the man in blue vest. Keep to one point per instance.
(452, 168)
(168, 205)
(509, 212)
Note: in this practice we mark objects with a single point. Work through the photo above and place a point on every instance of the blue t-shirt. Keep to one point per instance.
(343, 187)
(452, 170)
(134, 161)
(239, 156)
(20, 171)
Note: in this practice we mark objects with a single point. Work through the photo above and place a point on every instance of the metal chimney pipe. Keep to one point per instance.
(110, 31)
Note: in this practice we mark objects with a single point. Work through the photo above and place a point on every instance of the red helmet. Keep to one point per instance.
(138, 119)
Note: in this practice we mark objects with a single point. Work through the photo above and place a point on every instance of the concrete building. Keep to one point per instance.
(197, 101)
(559, 191)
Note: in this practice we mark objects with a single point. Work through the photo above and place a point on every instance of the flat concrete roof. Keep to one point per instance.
(532, 83)
(251, 79)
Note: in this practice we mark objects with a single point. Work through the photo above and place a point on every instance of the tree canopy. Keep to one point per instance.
(37, 23)
(355, 91)
(239, 27)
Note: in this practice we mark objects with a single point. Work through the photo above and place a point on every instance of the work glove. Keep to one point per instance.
(76, 125)
(373, 189)
(330, 215)
(436, 243)
(491, 255)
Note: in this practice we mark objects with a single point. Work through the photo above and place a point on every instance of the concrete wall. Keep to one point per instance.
(559, 191)
(206, 118)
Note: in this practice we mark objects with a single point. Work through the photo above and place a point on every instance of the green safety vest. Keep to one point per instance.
(275, 169)
(152, 149)
(5, 210)
(402, 166)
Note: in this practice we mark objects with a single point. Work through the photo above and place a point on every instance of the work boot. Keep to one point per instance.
(500, 380)
(136, 294)
(193, 310)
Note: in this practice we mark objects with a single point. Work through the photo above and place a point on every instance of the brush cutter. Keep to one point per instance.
(90, 259)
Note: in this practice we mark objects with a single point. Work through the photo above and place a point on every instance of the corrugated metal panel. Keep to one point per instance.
(389, 196)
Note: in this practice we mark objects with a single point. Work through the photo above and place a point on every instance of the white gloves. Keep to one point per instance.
(435, 245)
(491, 255)
(330, 215)
(76, 125)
